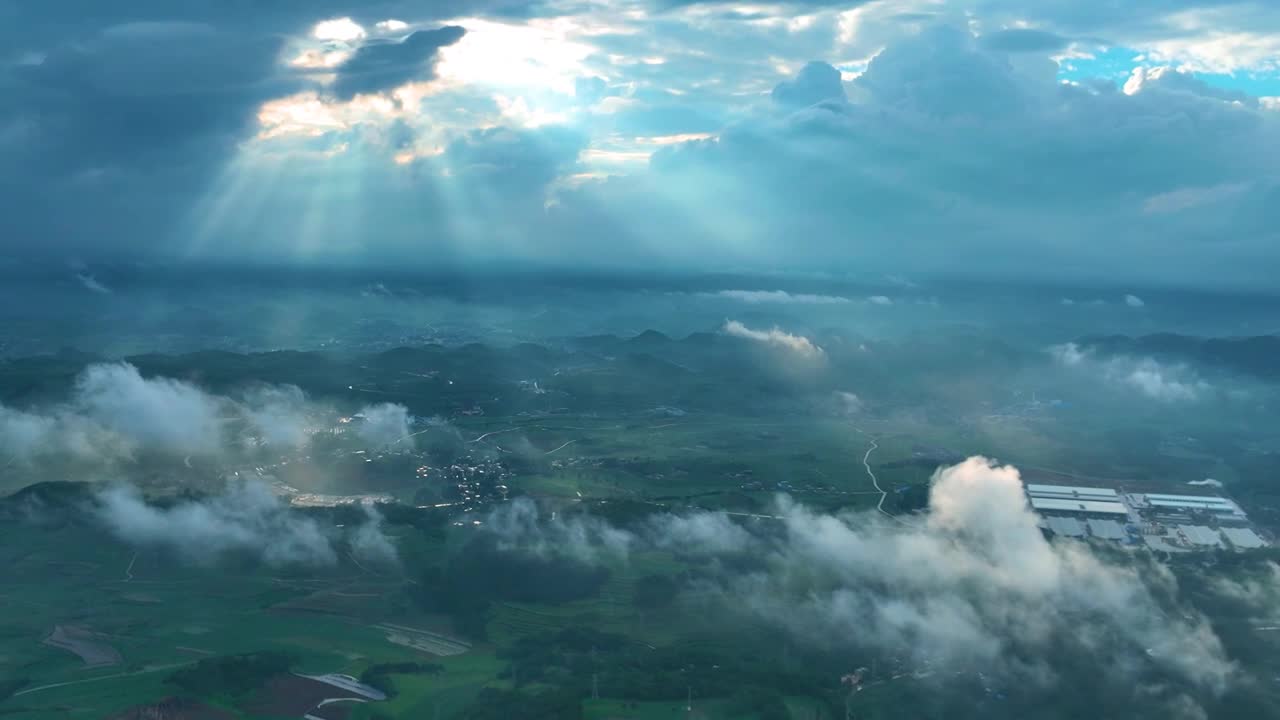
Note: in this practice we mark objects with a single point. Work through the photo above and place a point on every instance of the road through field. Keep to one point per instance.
(143, 671)
(866, 463)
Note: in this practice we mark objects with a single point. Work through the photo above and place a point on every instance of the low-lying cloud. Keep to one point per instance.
(90, 283)
(246, 519)
(114, 412)
(1151, 378)
(780, 297)
(384, 424)
(369, 545)
(151, 412)
(521, 525)
(970, 582)
(279, 415)
(775, 337)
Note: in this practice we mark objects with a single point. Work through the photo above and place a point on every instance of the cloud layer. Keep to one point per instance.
(114, 412)
(246, 519)
(1153, 379)
(810, 135)
(971, 582)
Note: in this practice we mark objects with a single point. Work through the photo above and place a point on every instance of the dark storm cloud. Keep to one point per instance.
(950, 151)
(133, 92)
(34, 25)
(978, 158)
(385, 65)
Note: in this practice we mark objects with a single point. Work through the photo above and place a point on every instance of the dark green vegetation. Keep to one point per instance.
(233, 676)
(1254, 355)
(618, 430)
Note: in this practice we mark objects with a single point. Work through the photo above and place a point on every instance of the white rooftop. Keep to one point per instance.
(1243, 538)
(1200, 535)
(1065, 526)
(1034, 489)
(1106, 529)
(1196, 499)
(1080, 506)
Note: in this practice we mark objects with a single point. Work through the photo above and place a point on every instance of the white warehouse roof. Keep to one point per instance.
(1081, 506)
(1243, 538)
(1065, 526)
(1189, 500)
(1200, 535)
(1088, 493)
(1106, 529)
(1185, 505)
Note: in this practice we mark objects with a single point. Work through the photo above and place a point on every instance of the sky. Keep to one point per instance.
(1069, 139)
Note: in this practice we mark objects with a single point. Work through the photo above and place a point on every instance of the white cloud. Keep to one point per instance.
(92, 284)
(977, 582)
(26, 437)
(384, 424)
(1161, 383)
(279, 414)
(391, 26)
(1259, 589)
(850, 403)
(1192, 197)
(775, 337)
(1158, 381)
(970, 582)
(1134, 301)
(1068, 354)
(113, 412)
(342, 29)
(780, 296)
(880, 300)
(369, 545)
(152, 412)
(524, 60)
(246, 519)
(520, 525)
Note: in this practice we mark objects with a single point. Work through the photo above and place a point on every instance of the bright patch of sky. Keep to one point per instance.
(1117, 64)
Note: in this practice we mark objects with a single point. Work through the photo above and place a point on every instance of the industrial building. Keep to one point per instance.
(1164, 522)
(1173, 507)
(1106, 529)
(1065, 526)
(1069, 492)
(1087, 501)
(1200, 536)
(1243, 538)
(1218, 507)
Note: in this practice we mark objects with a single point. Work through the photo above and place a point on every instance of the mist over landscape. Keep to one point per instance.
(632, 359)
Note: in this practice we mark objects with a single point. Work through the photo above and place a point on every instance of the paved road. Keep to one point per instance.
(561, 447)
(866, 462)
(492, 432)
(143, 671)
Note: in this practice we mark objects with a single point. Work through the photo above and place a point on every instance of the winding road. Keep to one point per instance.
(144, 671)
(561, 447)
(866, 462)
